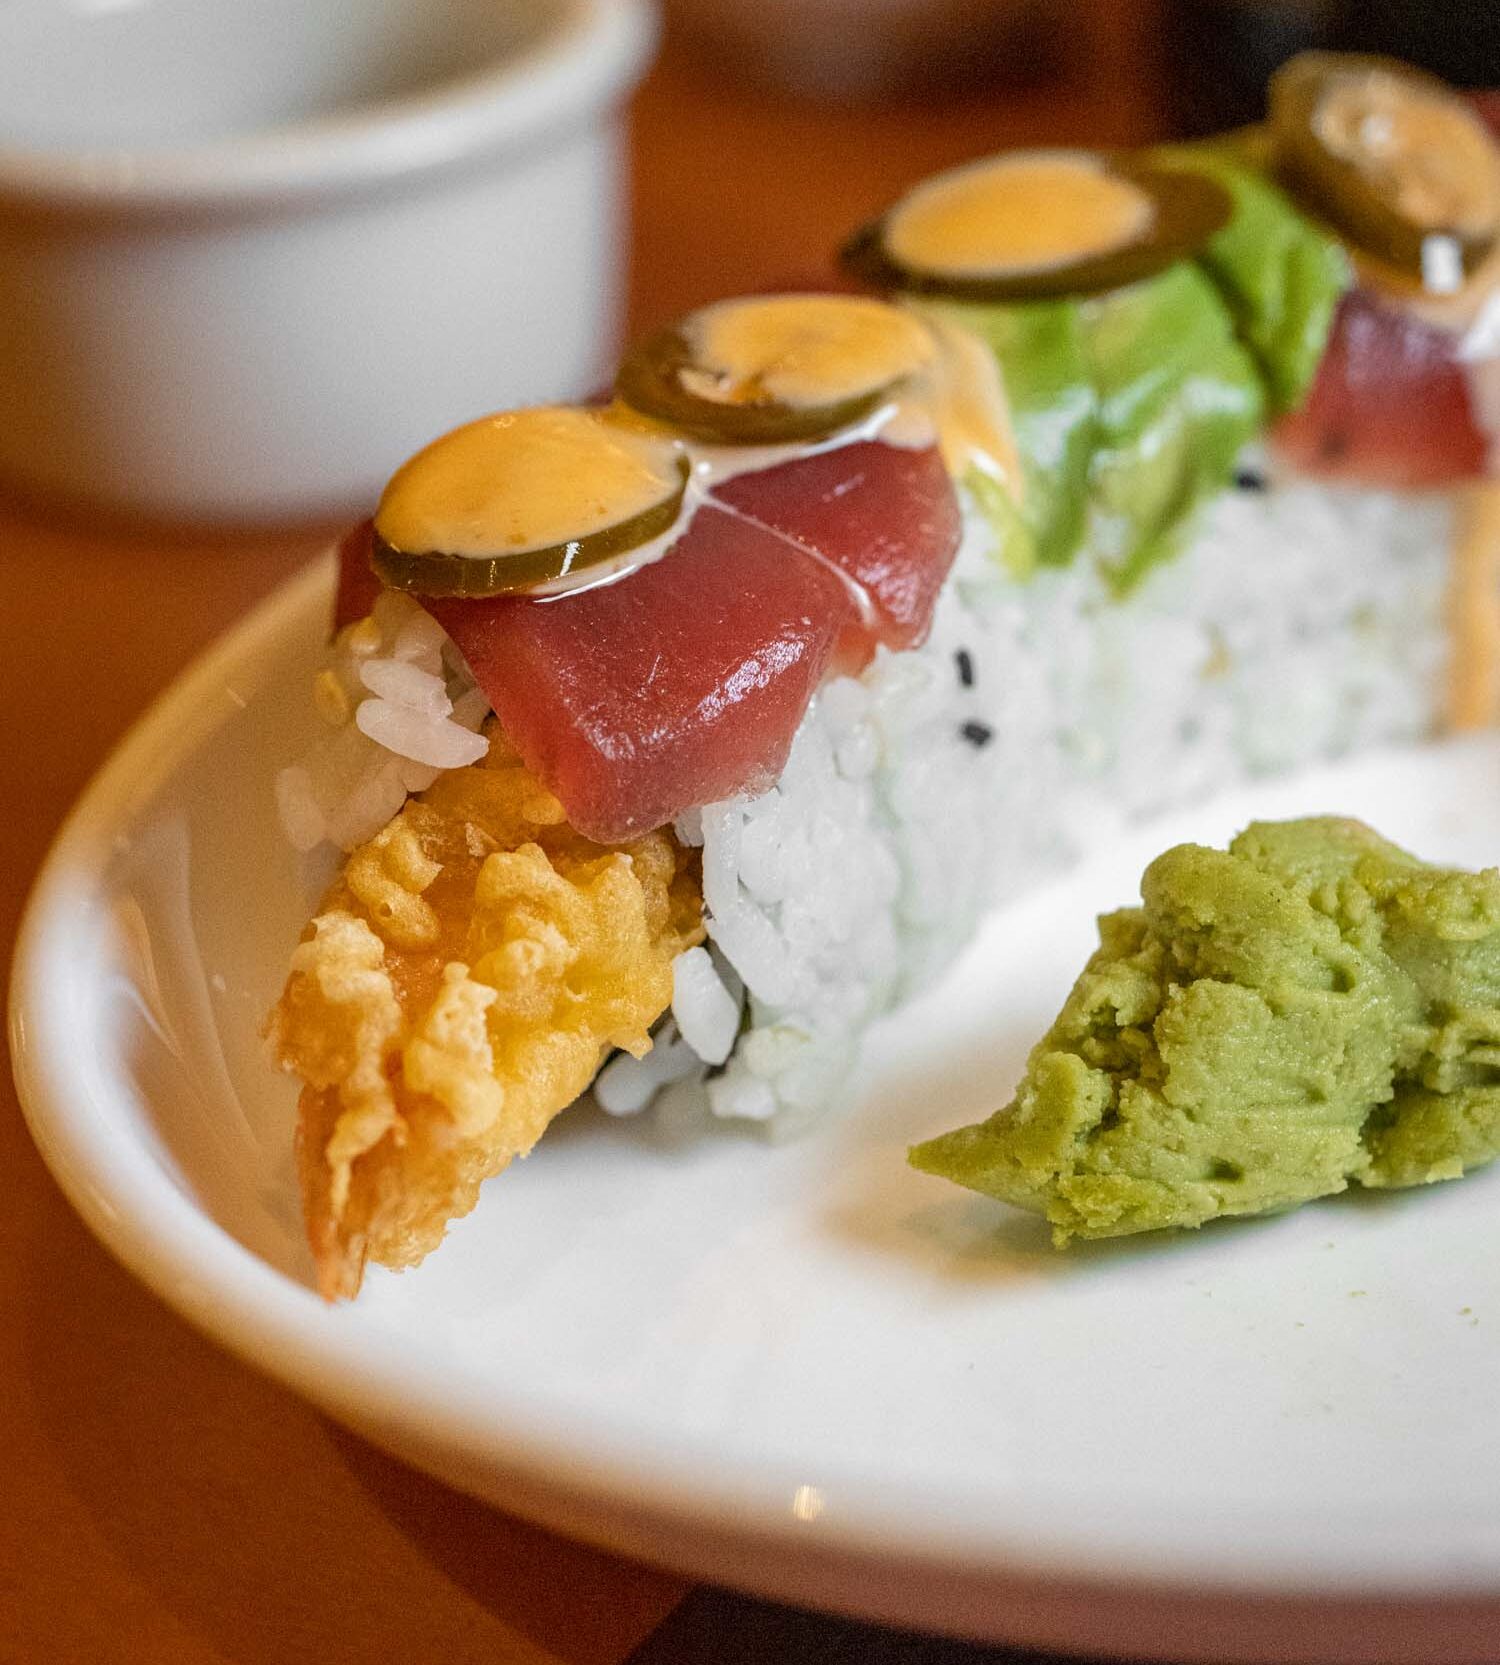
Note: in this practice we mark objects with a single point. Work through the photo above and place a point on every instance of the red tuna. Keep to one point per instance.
(678, 685)
(885, 516)
(358, 585)
(685, 681)
(1390, 405)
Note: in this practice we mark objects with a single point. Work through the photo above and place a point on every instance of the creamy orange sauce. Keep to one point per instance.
(1427, 154)
(1474, 610)
(969, 410)
(525, 480)
(552, 475)
(1017, 214)
(800, 350)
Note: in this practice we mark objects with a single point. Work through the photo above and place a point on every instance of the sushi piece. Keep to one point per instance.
(1378, 369)
(640, 622)
(671, 742)
(460, 982)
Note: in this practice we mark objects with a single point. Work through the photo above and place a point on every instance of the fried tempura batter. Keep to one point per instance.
(459, 986)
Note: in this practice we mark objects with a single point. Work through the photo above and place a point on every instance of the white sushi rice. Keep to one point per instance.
(1302, 621)
(400, 707)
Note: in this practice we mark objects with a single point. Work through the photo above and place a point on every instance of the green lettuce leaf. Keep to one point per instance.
(1178, 398)
(1055, 413)
(1128, 409)
(1280, 276)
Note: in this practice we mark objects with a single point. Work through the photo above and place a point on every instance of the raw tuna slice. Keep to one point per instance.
(684, 682)
(1390, 405)
(357, 584)
(1488, 105)
(679, 685)
(884, 515)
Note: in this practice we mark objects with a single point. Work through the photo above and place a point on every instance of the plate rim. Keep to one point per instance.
(733, 1521)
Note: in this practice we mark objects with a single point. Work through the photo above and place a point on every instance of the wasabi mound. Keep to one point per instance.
(1310, 1009)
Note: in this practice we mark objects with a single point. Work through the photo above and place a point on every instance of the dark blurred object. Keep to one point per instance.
(718, 1627)
(1218, 54)
(859, 51)
(1457, 39)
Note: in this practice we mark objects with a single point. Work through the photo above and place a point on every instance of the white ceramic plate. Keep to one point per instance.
(805, 1370)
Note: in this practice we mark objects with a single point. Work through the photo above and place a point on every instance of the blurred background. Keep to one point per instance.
(776, 125)
(251, 256)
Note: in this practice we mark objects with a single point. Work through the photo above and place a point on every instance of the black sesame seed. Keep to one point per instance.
(1251, 479)
(965, 662)
(977, 734)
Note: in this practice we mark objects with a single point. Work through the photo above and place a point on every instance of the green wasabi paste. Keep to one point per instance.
(1311, 1008)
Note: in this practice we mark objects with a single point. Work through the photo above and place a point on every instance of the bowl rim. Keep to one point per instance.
(588, 52)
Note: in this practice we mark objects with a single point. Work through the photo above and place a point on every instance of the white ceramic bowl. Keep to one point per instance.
(808, 1369)
(251, 255)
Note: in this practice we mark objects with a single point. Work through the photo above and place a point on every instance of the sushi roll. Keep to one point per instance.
(670, 742)
(574, 646)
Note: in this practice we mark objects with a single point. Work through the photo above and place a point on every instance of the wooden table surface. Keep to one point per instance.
(158, 1502)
